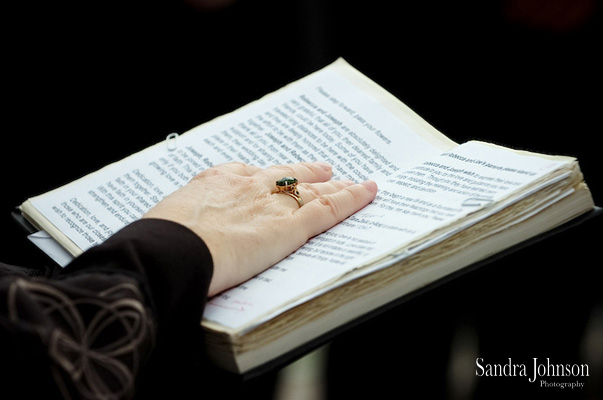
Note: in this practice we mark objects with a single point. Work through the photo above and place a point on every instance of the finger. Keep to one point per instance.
(238, 168)
(328, 210)
(304, 172)
(312, 191)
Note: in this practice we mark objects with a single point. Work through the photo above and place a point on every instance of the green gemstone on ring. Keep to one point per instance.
(286, 181)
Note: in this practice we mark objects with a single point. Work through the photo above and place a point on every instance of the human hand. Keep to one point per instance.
(247, 226)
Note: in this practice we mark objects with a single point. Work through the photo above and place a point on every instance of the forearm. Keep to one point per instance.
(172, 262)
(92, 327)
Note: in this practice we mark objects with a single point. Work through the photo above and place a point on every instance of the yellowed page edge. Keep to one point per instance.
(40, 221)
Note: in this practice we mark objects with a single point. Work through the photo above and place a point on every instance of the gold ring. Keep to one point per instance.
(296, 196)
(288, 186)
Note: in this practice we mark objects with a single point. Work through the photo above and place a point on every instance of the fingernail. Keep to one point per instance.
(325, 166)
(370, 185)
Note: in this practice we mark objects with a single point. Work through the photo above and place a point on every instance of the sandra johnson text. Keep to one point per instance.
(538, 369)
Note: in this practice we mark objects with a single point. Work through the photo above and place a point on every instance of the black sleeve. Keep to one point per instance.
(118, 314)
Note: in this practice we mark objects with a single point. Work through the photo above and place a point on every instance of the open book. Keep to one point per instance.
(441, 206)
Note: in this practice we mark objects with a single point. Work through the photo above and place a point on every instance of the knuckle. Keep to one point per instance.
(210, 172)
(330, 204)
(239, 164)
(310, 189)
(287, 170)
(312, 168)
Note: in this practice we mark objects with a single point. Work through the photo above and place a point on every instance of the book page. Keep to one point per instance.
(321, 117)
(411, 205)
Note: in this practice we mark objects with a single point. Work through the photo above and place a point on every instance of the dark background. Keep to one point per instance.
(88, 83)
